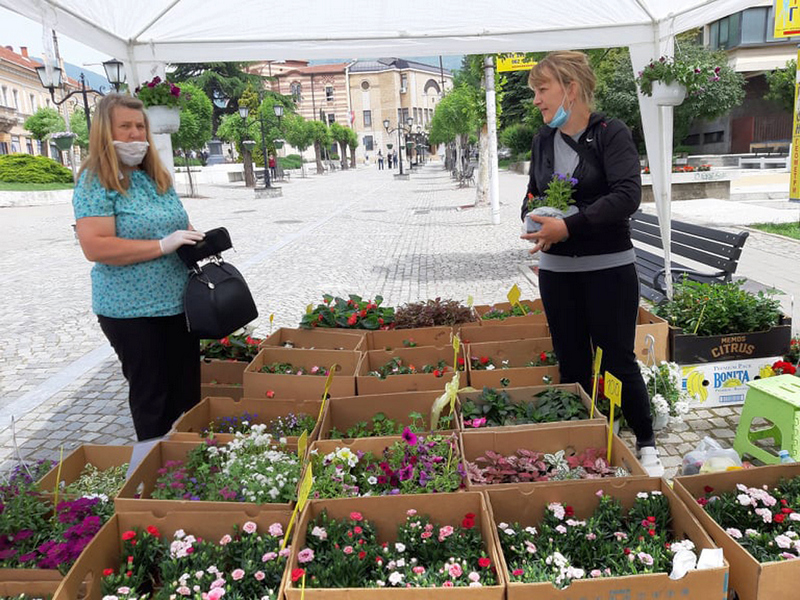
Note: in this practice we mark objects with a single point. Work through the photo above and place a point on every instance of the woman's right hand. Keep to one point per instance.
(179, 238)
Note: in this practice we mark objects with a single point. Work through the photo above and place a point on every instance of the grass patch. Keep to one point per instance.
(33, 187)
(503, 163)
(791, 230)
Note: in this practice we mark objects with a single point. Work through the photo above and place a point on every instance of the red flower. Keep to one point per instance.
(380, 320)
(787, 511)
(569, 511)
(356, 516)
(128, 535)
(543, 357)
(108, 572)
(517, 572)
(437, 373)
(460, 361)
(152, 530)
(470, 515)
(357, 529)
(626, 551)
(484, 360)
(361, 555)
(225, 341)
(297, 575)
(468, 523)
(351, 320)
(270, 393)
(708, 489)
(651, 519)
(484, 562)
(779, 518)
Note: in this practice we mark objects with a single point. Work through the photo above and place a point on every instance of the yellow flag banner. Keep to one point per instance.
(787, 18)
(514, 62)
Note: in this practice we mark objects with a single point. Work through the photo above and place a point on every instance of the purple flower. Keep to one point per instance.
(409, 436)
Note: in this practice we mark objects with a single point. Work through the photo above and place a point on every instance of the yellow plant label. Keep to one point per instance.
(302, 497)
(309, 308)
(514, 294)
(302, 444)
(598, 359)
(470, 301)
(328, 383)
(456, 348)
(613, 391)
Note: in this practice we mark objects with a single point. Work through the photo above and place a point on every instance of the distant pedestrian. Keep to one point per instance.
(272, 166)
(380, 160)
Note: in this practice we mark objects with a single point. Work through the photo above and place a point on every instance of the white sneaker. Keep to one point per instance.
(649, 457)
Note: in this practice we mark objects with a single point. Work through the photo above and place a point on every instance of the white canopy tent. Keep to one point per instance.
(146, 35)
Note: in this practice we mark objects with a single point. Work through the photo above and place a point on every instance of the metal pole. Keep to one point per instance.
(86, 104)
(264, 148)
(399, 149)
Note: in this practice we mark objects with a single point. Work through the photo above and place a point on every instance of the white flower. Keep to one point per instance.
(734, 533)
(783, 541)
(744, 499)
(557, 509)
(400, 547)
(396, 578)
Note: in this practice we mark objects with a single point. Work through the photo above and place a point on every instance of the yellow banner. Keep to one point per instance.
(794, 169)
(787, 18)
(515, 62)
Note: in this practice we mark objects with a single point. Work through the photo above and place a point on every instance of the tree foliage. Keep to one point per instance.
(781, 85)
(77, 124)
(455, 115)
(44, 122)
(196, 115)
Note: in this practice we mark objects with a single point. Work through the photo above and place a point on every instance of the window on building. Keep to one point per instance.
(329, 93)
(331, 118)
(3, 148)
(404, 116)
(14, 143)
(754, 25)
(4, 96)
(296, 91)
(713, 35)
(29, 144)
(691, 140)
(713, 137)
(368, 143)
(33, 103)
(403, 81)
(367, 118)
(39, 147)
(365, 85)
(16, 99)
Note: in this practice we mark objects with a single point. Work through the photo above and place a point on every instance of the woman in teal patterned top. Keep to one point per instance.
(130, 221)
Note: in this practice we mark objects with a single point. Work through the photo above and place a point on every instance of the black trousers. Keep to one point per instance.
(599, 308)
(161, 361)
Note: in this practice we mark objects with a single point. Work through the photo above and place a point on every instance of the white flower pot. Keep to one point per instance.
(164, 119)
(546, 211)
(668, 94)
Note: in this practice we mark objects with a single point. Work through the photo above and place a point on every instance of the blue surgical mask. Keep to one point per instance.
(561, 116)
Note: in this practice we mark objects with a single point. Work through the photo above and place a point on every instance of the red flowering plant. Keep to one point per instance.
(395, 366)
(353, 313)
(781, 367)
(159, 92)
(348, 553)
(412, 465)
(765, 521)
(611, 542)
(285, 368)
(241, 348)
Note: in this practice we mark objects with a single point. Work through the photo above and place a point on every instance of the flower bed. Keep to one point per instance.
(226, 415)
(408, 464)
(498, 459)
(583, 547)
(316, 339)
(358, 413)
(249, 472)
(461, 521)
(751, 578)
(440, 361)
(237, 555)
(102, 458)
(511, 360)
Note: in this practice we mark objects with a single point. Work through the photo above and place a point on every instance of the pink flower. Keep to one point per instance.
(445, 532)
(226, 539)
(418, 570)
(269, 556)
(237, 574)
(306, 555)
(455, 570)
(425, 535)
(275, 530)
(411, 512)
(259, 575)
(447, 584)
(249, 527)
(479, 422)
(347, 550)
(356, 516)
(216, 594)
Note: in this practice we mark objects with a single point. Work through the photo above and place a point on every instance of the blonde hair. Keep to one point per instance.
(566, 66)
(103, 162)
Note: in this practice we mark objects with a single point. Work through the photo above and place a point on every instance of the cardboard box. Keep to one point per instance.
(688, 349)
(32, 589)
(474, 333)
(386, 513)
(722, 383)
(135, 495)
(535, 313)
(392, 339)
(522, 395)
(527, 508)
(221, 378)
(104, 550)
(649, 324)
(301, 387)
(549, 438)
(426, 355)
(316, 339)
(30, 577)
(517, 353)
(750, 579)
(343, 413)
(189, 427)
(102, 457)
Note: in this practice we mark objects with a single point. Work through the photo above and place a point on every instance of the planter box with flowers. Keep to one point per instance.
(755, 524)
(710, 322)
(500, 459)
(406, 370)
(225, 416)
(89, 463)
(381, 415)
(503, 313)
(352, 313)
(384, 466)
(244, 474)
(298, 374)
(164, 552)
(669, 80)
(408, 338)
(409, 542)
(162, 102)
(517, 363)
(562, 541)
(502, 331)
(525, 408)
(223, 363)
(316, 339)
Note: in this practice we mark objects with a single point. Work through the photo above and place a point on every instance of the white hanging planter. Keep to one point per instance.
(164, 119)
(668, 94)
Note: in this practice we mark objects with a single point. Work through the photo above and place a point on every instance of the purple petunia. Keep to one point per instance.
(409, 436)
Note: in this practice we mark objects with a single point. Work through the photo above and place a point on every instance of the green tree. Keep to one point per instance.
(44, 122)
(352, 143)
(340, 136)
(321, 135)
(781, 85)
(77, 123)
(196, 115)
(455, 117)
(298, 133)
(232, 128)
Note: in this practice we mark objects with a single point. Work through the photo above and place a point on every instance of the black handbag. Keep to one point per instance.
(216, 300)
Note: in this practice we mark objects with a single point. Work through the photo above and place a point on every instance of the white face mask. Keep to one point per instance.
(131, 153)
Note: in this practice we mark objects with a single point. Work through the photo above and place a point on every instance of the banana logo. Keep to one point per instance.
(695, 384)
(732, 382)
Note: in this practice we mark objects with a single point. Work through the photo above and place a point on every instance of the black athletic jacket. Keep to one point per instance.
(609, 187)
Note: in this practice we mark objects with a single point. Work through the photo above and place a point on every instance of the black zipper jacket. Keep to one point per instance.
(609, 187)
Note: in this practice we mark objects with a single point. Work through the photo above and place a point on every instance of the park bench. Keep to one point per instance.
(697, 245)
(466, 176)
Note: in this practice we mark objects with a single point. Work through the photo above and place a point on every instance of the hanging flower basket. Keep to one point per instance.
(63, 139)
(390, 146)
(164, 119)
(668, 94)
(248, 145)
(279, 143)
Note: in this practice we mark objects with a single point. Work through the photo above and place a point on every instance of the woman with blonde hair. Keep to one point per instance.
(130, 221)
(587, 275)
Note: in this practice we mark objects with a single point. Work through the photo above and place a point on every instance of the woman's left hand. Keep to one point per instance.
(553, 231)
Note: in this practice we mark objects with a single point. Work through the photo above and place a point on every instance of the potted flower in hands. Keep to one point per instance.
(162, 101)
(557, 201)
(668, 80)
(63, 139)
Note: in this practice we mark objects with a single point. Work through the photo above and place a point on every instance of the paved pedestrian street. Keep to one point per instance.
(357, 231)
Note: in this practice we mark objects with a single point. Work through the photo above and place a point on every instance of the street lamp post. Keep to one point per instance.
(244, 113)
(400, 128)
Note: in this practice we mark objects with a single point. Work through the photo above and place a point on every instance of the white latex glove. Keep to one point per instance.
(176, 239)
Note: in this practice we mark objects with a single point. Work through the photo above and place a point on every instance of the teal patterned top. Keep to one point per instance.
(153, 288)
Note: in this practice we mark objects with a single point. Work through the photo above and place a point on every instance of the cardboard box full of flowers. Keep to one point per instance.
(504, 313)
(442, 543)
(515, 363)
(86, 457)
(473, 333)
(389, 339)
(222, 378)
(28, 590)
(315, 339)
(407, 370)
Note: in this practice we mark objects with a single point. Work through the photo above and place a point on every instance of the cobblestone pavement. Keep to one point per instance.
(345, 232)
